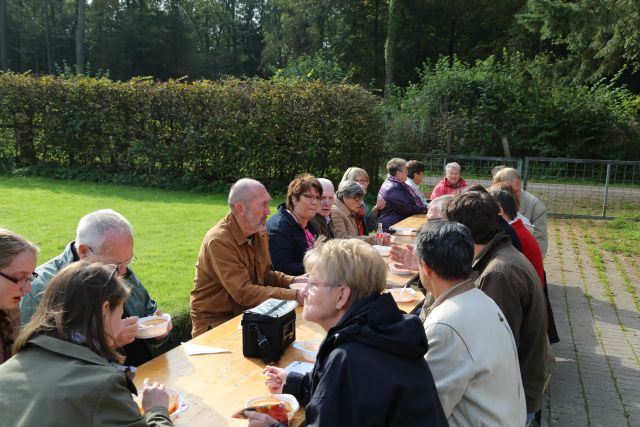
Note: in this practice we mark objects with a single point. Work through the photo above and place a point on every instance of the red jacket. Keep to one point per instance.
(530, 248)
(444, 187)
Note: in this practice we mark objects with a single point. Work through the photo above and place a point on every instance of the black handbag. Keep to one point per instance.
(268, 329)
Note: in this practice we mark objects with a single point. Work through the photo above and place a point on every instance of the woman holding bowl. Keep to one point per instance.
(66, 369)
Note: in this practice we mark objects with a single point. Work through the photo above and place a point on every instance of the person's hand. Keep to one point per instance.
(128, 329)
(154, 394)
(276, 377)
(257, 419)
(404, 258)
(380, 204)
(169, 326)
(299, 297)
(386, 239)
(301, 279)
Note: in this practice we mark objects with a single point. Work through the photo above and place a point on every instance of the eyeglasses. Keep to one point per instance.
(119, 265)
(15, 280)
(311, 197)
(312, 284)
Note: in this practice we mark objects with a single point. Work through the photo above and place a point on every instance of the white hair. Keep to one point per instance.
(452, 165)
(94, 226)
(242, 191)
(438, 207)
(326, 183)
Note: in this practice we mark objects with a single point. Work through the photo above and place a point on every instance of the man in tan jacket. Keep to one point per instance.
(233, 271)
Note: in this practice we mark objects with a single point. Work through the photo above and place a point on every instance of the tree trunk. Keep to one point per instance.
(390, 46)
(80, 36)
(4, 65)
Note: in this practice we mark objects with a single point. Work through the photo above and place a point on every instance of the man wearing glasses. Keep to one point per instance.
(107, 235)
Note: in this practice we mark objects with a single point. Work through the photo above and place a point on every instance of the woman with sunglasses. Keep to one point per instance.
(17, 262)
(290, 232)
(66, 369)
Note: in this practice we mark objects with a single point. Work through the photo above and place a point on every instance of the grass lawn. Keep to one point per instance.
(168, 226)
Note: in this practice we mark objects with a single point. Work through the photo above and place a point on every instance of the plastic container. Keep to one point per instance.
(263, 400)
(153, 326)
(402, 294)
(309, 349)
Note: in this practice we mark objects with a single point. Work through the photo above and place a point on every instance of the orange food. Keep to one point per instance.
(277, 411)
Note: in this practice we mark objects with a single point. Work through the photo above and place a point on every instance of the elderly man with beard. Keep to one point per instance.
(233, 271)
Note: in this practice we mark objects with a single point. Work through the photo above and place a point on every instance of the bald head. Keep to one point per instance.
(243, 191)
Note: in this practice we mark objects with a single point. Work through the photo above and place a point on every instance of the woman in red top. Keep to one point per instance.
(452, 182)
(530, 247)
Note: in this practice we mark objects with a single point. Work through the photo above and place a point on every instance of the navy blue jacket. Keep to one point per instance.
(287, 243)
(370, 371)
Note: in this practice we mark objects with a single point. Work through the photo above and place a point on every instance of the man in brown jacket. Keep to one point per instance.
(510, 280)
(233, 271)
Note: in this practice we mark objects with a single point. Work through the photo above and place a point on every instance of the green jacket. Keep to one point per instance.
(52, 382)
(138, 304)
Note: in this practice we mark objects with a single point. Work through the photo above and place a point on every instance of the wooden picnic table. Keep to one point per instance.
(414, 221)
(218, 385)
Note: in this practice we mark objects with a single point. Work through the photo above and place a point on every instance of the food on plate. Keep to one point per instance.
(152, 322)
(275, 408)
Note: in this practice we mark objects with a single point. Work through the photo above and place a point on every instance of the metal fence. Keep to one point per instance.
(568, 187)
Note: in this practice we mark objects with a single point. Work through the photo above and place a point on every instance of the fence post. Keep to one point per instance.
(606, 191)
(526, 172)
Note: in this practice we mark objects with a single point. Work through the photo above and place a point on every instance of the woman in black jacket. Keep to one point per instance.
(370, 369)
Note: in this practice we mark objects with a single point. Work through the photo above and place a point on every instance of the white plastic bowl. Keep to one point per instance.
(400, 271)
(146, 331)
(402, 294)
(382, 250)
(289, 398)
(309, 349)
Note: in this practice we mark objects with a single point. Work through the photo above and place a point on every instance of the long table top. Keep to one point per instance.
(414, 221)
(218, 385)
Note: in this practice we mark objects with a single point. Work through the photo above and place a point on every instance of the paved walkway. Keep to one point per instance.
(597, 376)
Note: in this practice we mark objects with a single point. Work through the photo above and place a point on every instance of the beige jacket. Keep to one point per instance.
(344, 223)
(232, 275)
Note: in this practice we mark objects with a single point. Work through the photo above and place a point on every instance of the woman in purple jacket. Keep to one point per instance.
(401, 200)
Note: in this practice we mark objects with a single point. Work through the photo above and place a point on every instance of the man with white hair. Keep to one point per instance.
(322, 222)
(529, 205)
(233, 271)
(108, 235)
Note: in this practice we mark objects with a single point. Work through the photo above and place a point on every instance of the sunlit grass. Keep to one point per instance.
(168, 226)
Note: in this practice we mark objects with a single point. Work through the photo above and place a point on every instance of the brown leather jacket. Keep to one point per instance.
(232, 275)
(511, 281)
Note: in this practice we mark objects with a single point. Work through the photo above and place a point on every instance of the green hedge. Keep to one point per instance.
(467, 109)
(185, 135)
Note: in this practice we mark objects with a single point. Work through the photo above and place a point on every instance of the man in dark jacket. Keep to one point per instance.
(370, 370)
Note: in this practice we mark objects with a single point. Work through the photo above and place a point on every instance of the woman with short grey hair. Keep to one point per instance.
(452, 183)
(345, 208)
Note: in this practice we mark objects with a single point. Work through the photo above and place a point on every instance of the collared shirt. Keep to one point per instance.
(456, 289)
